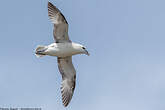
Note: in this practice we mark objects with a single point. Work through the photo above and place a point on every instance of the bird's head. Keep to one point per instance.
(84, 51)
(80, 48)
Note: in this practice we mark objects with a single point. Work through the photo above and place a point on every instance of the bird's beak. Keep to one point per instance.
(87, 53)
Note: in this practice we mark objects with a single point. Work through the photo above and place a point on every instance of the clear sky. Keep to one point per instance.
(126, 68)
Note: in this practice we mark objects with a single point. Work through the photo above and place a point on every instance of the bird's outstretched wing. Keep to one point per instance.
(60, 31)
(68, 73)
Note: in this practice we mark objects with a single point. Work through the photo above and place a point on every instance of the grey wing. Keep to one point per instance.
(68, 73)
(60, 31)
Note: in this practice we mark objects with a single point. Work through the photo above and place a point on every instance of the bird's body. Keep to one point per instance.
(60, 49)
(63, 49)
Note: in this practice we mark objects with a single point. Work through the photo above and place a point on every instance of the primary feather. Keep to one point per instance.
(60, 31)
(68, 73)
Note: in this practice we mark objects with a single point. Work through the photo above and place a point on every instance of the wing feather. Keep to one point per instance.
(68, 73)
(60, 31)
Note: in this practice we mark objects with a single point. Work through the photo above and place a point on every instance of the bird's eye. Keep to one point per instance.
(83, 47)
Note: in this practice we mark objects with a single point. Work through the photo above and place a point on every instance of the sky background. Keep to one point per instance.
(126, 68)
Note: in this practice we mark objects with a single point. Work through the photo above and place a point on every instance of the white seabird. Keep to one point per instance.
(63, 49)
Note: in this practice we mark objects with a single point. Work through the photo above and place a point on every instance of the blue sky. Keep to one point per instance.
(125, 70)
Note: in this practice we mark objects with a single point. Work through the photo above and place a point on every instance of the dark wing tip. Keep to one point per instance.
(67, 91)
(50, 4)
(52, 8)
(66, 98)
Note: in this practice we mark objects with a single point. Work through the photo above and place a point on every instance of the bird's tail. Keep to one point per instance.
(40, 51)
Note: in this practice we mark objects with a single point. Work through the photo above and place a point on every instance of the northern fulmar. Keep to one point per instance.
(63, 49)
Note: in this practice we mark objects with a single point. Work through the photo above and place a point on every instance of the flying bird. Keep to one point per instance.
(63, 48)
